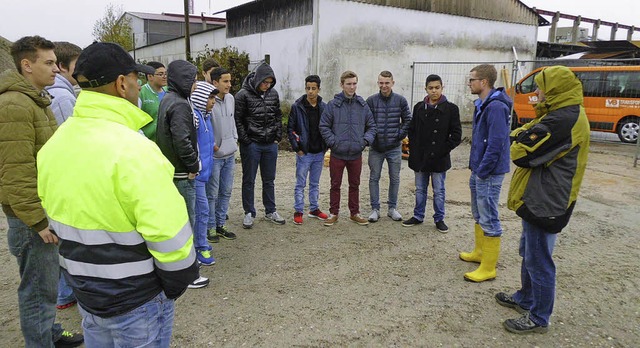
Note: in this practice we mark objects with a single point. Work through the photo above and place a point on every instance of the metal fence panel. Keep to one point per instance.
(455, 77)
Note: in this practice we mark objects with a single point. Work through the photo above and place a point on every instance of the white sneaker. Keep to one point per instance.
(201, 282)
(394, 214)
(374, 216)
(275, 218)
(248, 221)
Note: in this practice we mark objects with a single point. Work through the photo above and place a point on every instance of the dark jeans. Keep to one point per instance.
(537, 273)
(39, 274)
(265, 156)
(336, 170)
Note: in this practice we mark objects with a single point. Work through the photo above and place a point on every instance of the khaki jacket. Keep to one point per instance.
(26, 123)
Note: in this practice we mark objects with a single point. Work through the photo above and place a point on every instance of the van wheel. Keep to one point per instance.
(628, 130)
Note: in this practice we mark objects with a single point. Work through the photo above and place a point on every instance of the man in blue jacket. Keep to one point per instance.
(392, 116)
(303, 130)
(489, 162)
(347, 127)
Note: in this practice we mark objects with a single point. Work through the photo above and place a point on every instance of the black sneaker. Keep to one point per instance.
(411, 222)
(212, 236)
(523, 325)
(201, 282)
(506, 300)
(68, 340)
(222, 231)
(442, 227)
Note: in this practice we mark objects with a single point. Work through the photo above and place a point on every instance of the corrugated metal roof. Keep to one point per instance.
(176, 17)
(613, 45)
(512, 11)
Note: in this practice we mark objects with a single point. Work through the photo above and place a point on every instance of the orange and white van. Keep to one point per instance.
(611, 99)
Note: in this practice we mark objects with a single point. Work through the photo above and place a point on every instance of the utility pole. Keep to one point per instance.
(187, 37)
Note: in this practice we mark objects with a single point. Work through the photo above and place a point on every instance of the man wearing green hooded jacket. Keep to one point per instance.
(551, 155)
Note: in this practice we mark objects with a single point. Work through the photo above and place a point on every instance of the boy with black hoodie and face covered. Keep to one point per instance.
(259, 125)
(177, 136)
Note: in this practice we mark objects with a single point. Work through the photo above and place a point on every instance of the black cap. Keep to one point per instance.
(102, 62)
(214, 92)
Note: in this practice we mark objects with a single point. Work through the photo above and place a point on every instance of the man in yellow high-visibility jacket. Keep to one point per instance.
(126, 244)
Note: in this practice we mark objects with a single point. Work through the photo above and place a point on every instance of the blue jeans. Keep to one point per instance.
(394, 161)
(308, 164)
(422, 185)
(219, 189)
(485, 196)
(65, 293)
(187, 189)
(149, 325)
(265, 156)
(202, 217)
(39, 273)
(537, 274)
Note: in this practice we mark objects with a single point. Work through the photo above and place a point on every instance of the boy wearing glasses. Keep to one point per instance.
(489, 162)
(150, 96)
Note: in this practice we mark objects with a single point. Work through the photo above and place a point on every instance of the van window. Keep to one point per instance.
(629, 83)
(529, 85)
(592, 83)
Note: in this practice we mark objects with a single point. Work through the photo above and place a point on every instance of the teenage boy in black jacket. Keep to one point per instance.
(433, 132)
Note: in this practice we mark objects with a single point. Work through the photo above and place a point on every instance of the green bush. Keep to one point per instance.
(285, 107)
(229, 58)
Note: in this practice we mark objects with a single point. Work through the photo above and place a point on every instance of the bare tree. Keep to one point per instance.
(113, 27)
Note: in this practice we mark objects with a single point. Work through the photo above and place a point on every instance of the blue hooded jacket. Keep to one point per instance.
(206, 140)
(490, 140)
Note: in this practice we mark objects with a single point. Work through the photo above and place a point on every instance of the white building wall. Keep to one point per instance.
(368, 39)
(168, 51)
(137, 28)
(290, 56)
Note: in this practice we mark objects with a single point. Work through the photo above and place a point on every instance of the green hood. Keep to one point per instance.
(561, 88)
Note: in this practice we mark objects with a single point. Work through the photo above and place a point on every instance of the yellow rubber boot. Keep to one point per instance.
(476, 254)
(487, 268)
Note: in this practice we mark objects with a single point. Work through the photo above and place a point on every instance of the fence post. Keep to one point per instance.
(413, 81)
(514, 80)
(637, 156)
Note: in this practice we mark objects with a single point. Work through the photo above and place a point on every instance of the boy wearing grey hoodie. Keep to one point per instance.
(220, 183)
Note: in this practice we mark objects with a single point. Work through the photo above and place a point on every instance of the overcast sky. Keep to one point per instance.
(73, 20)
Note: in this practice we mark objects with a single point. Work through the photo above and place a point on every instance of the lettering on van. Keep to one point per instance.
(533, 99)
(621, 103)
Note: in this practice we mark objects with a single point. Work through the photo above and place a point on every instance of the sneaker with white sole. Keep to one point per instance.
(394, 214)
(331, 219)
(223, 232)
(442, 227)
(204, 257)
(201, 282)
(374, 216)
(275, 218)
(357, 218)
(411, 222)
(247, 222)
